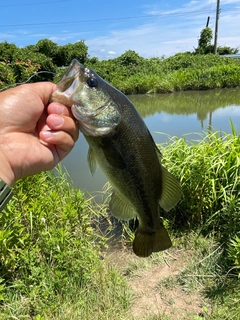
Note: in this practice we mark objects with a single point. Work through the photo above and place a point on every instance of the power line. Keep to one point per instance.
(163, 15)
(31, 4)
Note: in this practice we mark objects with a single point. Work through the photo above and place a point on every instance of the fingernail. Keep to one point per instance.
(59, 109)
(57, 120)
(47, 134)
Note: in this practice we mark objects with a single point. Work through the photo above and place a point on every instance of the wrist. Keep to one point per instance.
(6, 172)
(5, 194)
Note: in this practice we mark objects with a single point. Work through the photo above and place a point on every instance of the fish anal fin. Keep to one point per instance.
(92, 162)
(171, 190)
(145, 243)
(120, 208)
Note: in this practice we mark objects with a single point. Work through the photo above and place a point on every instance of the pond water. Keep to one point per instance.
(174, 114)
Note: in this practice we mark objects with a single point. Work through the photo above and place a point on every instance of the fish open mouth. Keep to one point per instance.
(69, 77)
(68, 85)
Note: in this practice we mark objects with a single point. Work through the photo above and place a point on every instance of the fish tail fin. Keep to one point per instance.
(145, 243)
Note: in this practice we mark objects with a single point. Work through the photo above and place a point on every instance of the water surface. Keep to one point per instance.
(175, 114)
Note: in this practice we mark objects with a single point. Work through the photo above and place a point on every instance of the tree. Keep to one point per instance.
(227, 50)
(77, 50)
(61, 56)
(205, 46)
(46, 47)
(7, 51)
(130, 58)
(26, 63)
(204, 42)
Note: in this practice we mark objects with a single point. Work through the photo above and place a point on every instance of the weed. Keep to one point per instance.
(50, 255)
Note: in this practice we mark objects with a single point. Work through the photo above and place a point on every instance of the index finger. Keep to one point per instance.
(42, 89)
(60, 109)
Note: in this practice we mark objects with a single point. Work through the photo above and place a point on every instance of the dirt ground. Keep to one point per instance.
(151, 300)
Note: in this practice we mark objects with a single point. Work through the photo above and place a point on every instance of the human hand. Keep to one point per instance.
(34, 135)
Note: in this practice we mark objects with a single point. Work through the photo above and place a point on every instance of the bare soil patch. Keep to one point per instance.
(155, 295)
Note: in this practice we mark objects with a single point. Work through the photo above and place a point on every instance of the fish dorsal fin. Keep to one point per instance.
(92, 162)
(171, 190)
(120, 208)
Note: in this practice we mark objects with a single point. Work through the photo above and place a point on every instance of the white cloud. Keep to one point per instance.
(172, 31)
(5, 36)
(60, 38)
(167, 29)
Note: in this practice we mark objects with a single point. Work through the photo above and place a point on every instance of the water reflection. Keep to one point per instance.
(186, 103)
(175, 114)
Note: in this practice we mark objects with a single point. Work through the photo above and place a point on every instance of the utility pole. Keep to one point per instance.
(216, 27)
(208, 19)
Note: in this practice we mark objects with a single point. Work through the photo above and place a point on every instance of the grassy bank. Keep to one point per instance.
(203, 266)
(133, 74)
(209, 172)
(51, 257)
(130, 72)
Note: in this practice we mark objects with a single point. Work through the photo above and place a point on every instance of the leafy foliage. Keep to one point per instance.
(7, 76)
(209, 172)
(46, 47)
(48, 247)
(204, 42)
(205, 46)
(77, 50)
(61, 55)
(36, 62)
(26, 65)
(184, 71)
(234, 253)
(7, 51)
(129, 72)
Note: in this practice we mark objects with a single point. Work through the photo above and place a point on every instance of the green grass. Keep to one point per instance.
(209, 171)
(205, 225)
(50, 255)
(133, 74)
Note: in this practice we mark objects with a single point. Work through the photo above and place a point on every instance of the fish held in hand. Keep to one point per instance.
(121, 144)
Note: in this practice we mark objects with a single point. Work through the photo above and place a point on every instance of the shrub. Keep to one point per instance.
(209, 172)
(47, 243)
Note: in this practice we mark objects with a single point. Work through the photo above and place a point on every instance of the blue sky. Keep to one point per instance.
(109, 28)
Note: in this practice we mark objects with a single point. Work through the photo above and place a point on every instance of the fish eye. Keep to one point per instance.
(92, 82)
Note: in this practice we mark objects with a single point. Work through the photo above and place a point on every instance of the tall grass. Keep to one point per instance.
(209, 172)
(50, 255)
(131, 73)
(183, 71)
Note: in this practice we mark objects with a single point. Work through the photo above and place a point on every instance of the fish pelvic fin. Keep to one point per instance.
(120, 208)
(171, 190)
(145, 243)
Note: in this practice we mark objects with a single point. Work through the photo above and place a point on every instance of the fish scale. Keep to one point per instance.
(122, 145)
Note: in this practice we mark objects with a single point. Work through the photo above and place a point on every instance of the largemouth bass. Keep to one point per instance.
(121, 144)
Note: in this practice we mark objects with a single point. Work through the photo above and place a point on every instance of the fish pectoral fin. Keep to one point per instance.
(145, 243)
(120, 208)
(113, 155)
(171, 190)
(92, 162)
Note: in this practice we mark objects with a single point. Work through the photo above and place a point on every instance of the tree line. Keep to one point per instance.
(45, 60)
